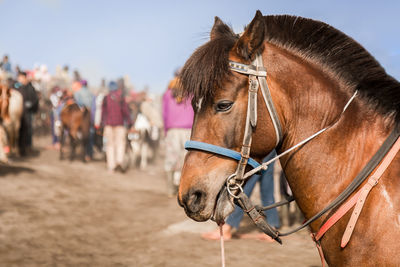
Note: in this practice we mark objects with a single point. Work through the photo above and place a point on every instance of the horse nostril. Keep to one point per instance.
(196, 201)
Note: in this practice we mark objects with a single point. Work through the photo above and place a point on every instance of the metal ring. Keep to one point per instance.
(233, 186)
(232, 194)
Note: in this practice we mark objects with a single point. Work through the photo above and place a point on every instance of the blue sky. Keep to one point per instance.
(148, 40)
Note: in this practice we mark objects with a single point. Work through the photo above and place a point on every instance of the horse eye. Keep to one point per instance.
(223, 106)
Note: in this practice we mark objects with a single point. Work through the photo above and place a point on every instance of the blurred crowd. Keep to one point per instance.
(124, 127)
(112, 120)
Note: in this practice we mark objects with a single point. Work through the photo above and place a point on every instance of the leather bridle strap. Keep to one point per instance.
(251, 123)
(257, 217)
(269, 103)
(257, 78)
(257, 69)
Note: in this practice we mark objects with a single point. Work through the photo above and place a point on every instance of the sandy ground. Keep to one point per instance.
(58, 213)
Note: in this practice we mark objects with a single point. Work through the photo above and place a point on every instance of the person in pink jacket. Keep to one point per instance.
(178, 119)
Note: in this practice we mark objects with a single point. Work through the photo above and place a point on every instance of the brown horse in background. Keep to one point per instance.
(312, 72)
(76, 121)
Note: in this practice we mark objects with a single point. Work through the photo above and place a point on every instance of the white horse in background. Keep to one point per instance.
(139, 141)
(145, 139)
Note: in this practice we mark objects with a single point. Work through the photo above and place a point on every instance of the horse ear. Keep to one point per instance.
(219, 29)
(252, 40)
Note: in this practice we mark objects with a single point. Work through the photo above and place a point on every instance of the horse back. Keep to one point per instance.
(75, 118)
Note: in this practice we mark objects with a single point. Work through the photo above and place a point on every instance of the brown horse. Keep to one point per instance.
(312, 72)
(76, 121)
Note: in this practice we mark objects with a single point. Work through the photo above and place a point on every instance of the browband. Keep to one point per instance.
(248, 69)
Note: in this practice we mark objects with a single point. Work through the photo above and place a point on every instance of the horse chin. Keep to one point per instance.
(223, 207)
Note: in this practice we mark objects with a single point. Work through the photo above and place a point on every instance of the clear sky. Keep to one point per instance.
(148, 40)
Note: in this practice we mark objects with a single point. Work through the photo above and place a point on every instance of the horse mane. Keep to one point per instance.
(313, 40)
(340, 53)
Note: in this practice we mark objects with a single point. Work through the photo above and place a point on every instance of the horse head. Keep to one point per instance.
(337, 109)
(220, 101)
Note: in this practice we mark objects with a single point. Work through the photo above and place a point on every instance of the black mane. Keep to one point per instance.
(315, 40)
(207, 67)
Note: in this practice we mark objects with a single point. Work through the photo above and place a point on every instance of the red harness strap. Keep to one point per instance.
(358, 199)
(337, 215)
(320, 251)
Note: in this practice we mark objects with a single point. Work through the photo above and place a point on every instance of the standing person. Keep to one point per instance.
(55, 98)
(115, 117)
(266, 180)
(31, 106)
(84, 98)
(5, 65)
(178, 119)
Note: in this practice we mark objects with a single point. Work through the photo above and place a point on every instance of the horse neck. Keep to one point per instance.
(318, 171)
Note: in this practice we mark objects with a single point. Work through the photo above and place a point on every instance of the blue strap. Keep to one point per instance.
(196, 145)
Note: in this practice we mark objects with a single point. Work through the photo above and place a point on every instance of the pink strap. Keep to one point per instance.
(358, 198)
(337, 215)
(372, 181)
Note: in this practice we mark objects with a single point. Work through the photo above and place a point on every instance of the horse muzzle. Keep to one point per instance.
(195, 204)
(200, 206)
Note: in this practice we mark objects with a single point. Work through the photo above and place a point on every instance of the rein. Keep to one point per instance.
(257, 78)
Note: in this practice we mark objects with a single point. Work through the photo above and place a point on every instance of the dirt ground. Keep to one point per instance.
(58, 213)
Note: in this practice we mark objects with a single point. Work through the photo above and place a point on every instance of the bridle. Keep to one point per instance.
(257, 79)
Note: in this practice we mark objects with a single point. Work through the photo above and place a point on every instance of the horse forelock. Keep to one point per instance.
(207, 68)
